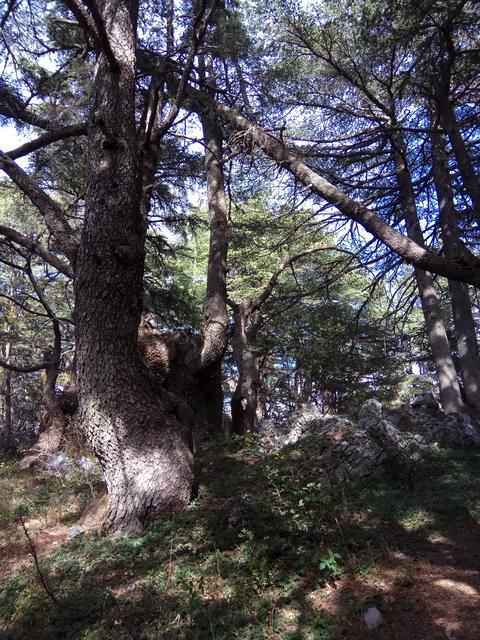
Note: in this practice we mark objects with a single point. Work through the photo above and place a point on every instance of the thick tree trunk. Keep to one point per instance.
(132, 427)
(467, 345)
(245, 397)
(449, 122)
(450, 395)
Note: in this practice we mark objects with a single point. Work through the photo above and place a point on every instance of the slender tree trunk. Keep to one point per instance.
(467, 345)
(245, 397)
(215, 314)
(55, 420)
(130, 424)
(450, 395)
(449, 122)
(6, 443)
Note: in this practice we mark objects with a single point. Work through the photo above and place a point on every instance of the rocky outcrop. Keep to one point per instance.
(424, 417)
(374, 443)
(306, 421)
(352, 451)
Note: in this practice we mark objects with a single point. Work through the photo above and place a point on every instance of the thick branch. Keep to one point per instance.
(10, 7)
(103, 39)
(11, 107)
(50, 210)
(464, 269)
(46, 139)
(83, 18)
(23, 369)
(38, 249)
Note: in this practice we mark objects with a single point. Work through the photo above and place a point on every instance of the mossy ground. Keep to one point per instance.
(258, 554)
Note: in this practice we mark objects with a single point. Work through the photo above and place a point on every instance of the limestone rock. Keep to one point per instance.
(305, 421)
(92, 518)
(373, 618)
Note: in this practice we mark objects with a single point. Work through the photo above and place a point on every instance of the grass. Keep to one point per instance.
(243, 561)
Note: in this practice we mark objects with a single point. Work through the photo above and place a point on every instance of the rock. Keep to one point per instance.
(74, 532)
(92, 518)
(452, 430)
(370, 412)
(305, 421)
(373, 618)
(426, 419)
(388, 437)
(354, 457)
(427, 400)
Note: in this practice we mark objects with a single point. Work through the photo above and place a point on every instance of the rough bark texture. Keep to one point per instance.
(131, 425)
(467, 345)
(450, 395)
(244, 402)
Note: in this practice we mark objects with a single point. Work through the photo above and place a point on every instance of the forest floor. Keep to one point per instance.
(262, 553)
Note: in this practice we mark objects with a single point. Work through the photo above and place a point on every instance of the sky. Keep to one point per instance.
(10, 139)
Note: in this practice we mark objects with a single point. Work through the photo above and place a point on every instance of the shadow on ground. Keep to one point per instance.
(266, 552)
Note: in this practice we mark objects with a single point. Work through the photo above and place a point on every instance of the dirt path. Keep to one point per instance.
(427, 591)
(18, 553)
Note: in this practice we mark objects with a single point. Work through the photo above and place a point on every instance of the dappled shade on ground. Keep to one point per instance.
(263, 552)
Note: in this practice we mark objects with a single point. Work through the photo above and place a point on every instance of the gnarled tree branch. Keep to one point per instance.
(52, 213)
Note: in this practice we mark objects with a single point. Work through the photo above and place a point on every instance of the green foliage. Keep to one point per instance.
(246, 557)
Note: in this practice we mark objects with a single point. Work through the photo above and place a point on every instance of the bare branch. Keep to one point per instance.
(199, 29)
(102, 36)
(41, 578)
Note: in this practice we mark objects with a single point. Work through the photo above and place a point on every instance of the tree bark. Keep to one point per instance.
(245, 397)
(54, 421)
(131, 425)
(450, 395)
(6, 443)
(449, 122)
(214, 313)
(465, 333)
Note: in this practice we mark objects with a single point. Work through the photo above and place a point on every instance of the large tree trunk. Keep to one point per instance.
(131, 425)
(245, 397)
(467, 345)
(450, 395)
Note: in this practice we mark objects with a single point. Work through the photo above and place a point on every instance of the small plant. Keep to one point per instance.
(329, 564)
